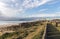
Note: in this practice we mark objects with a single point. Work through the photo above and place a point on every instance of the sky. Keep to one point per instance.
(29, 8)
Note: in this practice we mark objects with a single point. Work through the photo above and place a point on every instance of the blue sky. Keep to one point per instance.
(30, 8)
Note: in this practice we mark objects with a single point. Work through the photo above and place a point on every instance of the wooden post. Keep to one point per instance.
(20, 25)
(56, 24)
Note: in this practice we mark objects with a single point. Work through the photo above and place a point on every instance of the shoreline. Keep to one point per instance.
(10, 23)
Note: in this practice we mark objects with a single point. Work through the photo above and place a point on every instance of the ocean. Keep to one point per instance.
(13, 22)
(10, 22)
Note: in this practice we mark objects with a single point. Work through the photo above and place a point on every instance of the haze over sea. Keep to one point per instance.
(12, 22)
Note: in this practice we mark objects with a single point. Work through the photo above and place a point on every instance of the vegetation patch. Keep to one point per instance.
(39, 35)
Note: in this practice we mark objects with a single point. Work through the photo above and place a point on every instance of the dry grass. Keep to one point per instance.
(23, 32)
(33, 34)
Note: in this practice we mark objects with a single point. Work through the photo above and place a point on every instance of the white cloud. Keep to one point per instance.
(6, 11)
(12, 11)
(46, 15)
(13, 0)
(53, 2)
(43, 10)
(35, 3)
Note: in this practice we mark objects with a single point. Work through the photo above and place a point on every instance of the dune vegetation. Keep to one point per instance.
(32, 30)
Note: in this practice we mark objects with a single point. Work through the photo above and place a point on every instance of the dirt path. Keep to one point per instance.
(31, 35)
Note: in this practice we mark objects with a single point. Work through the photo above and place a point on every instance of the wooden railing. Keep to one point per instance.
(44, 34)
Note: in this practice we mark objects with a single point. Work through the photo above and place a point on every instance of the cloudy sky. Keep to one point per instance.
(29, 8)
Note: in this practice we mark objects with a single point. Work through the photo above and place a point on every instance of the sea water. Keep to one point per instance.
(9, 23)
(14, 22)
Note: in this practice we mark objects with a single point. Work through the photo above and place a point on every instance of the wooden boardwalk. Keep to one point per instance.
(52, 32)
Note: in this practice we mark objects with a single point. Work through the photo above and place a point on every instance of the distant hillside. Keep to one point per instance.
(18, 19)
(26, 19)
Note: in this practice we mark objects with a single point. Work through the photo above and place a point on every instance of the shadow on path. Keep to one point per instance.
(52, 32)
